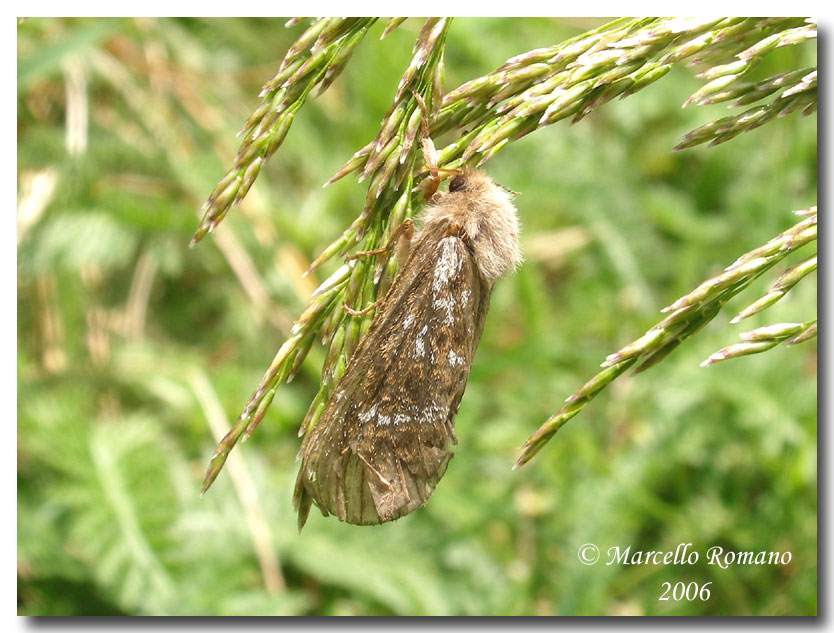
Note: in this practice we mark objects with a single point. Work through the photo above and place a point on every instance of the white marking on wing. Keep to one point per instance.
(448, 263)
(420, 342)
(447, 305)
(431, 414)
(369, 415)
(455, 360)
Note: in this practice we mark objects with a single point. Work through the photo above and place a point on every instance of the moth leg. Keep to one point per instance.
(404, 230)
(429, 186)
(429, 152)
(376, 251)
(401, 240)
(362, 312)
(455, 228)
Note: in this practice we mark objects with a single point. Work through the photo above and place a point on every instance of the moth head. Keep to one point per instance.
(489, 220)
(474, 181)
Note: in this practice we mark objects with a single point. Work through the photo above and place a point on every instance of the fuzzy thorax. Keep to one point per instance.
(488, 220)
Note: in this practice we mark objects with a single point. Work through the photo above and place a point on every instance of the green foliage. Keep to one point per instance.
(118, 319)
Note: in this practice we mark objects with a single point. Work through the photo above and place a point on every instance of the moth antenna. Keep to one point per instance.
(425, 109)
(508, 190)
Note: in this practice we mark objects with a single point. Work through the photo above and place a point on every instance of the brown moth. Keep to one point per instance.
(384, 438)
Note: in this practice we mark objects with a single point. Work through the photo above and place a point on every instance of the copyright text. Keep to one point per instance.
(685, 554)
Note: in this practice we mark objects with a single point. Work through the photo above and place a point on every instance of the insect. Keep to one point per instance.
(384, 439)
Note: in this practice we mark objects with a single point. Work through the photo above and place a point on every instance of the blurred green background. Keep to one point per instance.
(131, 346)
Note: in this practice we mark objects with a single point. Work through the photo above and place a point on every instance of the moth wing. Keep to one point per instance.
(383, 440)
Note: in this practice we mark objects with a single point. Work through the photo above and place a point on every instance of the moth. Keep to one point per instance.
(384, 439)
